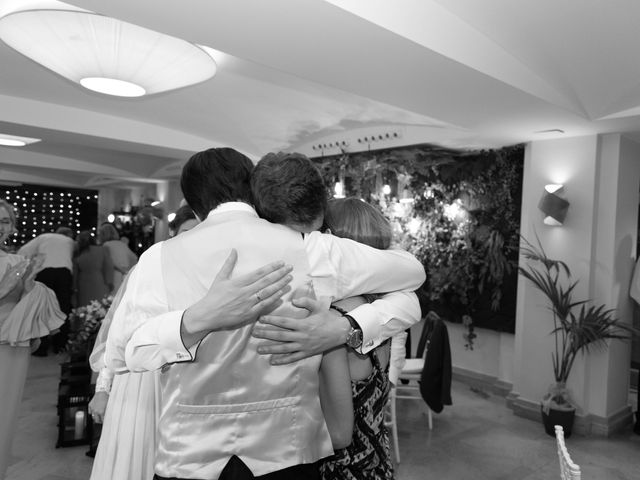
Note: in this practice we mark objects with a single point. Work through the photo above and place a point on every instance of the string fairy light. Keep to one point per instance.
(40, 208)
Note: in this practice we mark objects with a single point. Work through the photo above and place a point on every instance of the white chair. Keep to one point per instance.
(411, 391)
(391, 423)
(568, 469)
(410, 371)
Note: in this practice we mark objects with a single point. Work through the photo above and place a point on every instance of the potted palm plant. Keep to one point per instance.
(579, 327)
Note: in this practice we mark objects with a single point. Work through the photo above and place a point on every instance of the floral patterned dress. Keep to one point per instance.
(368, 457)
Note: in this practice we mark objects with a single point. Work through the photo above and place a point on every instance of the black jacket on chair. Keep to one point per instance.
(435, 379)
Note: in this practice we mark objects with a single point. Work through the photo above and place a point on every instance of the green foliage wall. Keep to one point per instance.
(458, 212)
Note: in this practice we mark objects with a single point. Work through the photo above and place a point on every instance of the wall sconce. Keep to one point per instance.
(553, 207)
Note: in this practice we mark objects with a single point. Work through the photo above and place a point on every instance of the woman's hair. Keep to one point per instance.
(108, 232)
(360, 221)
(183, 214)
(84, 241)
(11, 211)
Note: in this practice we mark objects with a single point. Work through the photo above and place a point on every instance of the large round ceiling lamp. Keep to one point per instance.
(104, 54)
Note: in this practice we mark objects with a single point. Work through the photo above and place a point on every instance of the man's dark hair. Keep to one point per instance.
(216, 176)
(288, 188)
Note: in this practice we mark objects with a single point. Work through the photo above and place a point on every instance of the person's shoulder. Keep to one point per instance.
(319, 238)
(13, 258)
(154, 251)
(113, 244)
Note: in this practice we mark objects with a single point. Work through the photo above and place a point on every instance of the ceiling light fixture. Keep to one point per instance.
(104, 54)
(14, 141)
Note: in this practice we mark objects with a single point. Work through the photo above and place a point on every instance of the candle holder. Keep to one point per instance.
(73, 417)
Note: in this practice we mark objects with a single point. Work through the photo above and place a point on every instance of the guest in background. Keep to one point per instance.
(92, 270)
(56, 271)
(184, 220)
(28, 310)
(121, 256)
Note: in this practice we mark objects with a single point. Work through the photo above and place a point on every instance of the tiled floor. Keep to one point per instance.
(476, 438)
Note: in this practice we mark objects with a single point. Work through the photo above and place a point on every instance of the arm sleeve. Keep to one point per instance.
(104, 380)
(390, 315)
(341, 268)
(30, 248)
(145, 334)
(397, 358)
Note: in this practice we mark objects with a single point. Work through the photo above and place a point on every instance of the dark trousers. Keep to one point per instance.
(307, 471)
(58, 280)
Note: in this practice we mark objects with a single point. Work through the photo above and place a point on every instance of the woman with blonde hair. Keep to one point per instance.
(28, 310)
(121, 256)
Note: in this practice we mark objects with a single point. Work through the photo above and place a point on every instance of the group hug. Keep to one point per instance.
(261, 340)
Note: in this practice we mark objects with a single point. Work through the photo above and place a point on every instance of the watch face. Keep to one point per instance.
(355, 338)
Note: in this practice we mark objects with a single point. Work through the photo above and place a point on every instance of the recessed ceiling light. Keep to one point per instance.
(14, 141)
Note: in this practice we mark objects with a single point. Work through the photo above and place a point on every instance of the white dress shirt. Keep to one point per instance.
(56, 248)
(339, 268)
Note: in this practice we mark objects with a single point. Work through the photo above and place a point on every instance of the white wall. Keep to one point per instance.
(571, 162)
(615, 232)
(492, 353)
(601, 177)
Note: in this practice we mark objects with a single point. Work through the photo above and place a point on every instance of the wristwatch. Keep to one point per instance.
(354, 337)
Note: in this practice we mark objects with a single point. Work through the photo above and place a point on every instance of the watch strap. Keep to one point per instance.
(354, 332)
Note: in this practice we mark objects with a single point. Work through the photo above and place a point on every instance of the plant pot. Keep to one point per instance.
(564, 418)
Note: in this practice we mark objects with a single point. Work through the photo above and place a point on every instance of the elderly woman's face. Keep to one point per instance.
(6, 225)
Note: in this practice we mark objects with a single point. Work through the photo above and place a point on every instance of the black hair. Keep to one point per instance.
(216, 176)
(183, 214)
(288, 188)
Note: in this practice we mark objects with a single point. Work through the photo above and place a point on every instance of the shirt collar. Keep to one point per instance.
(232, 207)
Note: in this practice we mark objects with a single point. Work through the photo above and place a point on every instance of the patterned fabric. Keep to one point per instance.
(368, 457)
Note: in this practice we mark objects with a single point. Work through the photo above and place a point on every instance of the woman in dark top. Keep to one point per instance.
(368, 456)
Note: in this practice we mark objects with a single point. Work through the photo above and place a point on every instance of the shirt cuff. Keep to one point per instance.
(170, 338)
(367, 317)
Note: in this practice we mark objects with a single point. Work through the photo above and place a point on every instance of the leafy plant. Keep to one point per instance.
(471, 259)
(470, 335)
(579, 326)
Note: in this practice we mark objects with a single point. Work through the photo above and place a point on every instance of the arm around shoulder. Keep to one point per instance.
(344, 268)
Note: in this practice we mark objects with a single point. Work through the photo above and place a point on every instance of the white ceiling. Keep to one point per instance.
(297, 73)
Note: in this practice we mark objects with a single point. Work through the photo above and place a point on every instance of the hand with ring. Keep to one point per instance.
(235, 301)
(98, 406)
